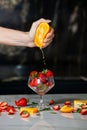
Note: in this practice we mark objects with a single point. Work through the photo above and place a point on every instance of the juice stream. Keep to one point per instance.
(43, 57)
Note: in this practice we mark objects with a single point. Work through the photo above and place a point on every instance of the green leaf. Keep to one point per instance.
(78, 110)
(34, 103)
(28, 100)
(46, 109)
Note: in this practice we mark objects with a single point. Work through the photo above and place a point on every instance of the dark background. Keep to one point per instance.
(66, 55)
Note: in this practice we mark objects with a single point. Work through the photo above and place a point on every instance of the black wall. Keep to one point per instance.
(66, 56)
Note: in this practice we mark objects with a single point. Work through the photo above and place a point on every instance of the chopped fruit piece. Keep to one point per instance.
(3, 104)
(79, 103)
(67, 103)
(10, 110)
(51, 102)
(21, 102)
(29, 110)
(24, 114)
(84, 107)
(83, 111)
(66, 109)
(56, 107)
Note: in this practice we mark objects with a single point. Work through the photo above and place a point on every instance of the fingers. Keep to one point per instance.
(49, 37)
(35, 25)
(47, 43)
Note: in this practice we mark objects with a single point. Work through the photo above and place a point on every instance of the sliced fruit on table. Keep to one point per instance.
(79, 103)
(31, 110)
(83, 111)
(67, 103)
(66, 109)
(11, 109)
(51, 102)
(3, 105)
(21, 102)
(56, 107)
(24, 114)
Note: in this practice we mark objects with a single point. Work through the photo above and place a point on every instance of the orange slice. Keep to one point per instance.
(41, 33)
(66, 109)
(31, 110)
(78, 103)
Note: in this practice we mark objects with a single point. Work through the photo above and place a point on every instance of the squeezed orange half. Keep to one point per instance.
(41, 33)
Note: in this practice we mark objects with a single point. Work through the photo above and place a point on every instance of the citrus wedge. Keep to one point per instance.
(66, 109)
(41, 33)
(31, 110)
(78, 103)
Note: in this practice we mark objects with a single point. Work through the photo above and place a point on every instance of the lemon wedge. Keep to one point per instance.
(31, 110)
(67, 109)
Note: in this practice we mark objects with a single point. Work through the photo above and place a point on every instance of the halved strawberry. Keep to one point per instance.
(83, 111)
(56, 107)
(3, 104)
(1, 109)
(67, 103)
(51, 102)
(10, 109)
(84, 107)
(24, 114)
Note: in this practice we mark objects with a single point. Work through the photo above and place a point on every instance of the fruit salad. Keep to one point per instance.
(41, 82)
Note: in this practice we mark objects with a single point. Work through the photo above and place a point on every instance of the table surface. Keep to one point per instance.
(46, 119)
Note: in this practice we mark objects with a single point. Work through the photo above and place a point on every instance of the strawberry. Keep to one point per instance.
(49, 73)
(51, 102)
(33, 74)
(10, 109)
(67, 103)
(1, 110)
(21, 102)
(83, 111)
(34, 82)
(24, 114)
(42, 77)
(3, 105)
(56, 107)
(84, 107)
(49, 84)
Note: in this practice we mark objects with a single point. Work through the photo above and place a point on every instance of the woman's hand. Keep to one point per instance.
(31, 34)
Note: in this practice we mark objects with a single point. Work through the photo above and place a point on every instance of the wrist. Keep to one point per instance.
(30, 42)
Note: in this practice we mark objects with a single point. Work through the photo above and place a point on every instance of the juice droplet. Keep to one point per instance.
(43, 57)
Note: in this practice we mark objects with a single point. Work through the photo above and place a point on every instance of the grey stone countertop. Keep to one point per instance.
(45, 120)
